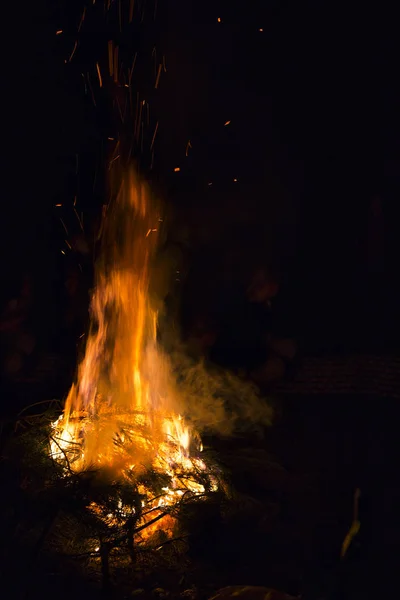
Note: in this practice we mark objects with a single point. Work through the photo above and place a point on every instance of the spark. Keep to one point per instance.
(210, 183)
(158, 76)
(227, 123)
(99, 75)
(219, 20)
(62, 252)
(235, 179)
(120, 111)
(74, 200)
(177, 169)
(82, 19)
(58, 205)
(63, 224)
(131, 70)
(115, 150)
(91, 89)
(73, 51)
(59, 32)
(164, 65)
(79, 220)
(68, 244)
(188, 145)
(113, 160)
(111, 139)
(261, 30)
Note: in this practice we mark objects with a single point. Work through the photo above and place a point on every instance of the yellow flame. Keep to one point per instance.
(123, 412)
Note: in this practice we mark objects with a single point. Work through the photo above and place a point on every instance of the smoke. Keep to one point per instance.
(217, 401)
(211, 399)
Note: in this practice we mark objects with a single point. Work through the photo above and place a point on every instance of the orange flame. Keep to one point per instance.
(123, 413)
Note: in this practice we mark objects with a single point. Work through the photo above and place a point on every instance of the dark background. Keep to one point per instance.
(313, 140)
(314, 145)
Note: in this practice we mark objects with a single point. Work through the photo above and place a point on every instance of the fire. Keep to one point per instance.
(123, 414)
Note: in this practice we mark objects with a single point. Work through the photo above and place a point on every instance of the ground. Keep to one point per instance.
(296, 489)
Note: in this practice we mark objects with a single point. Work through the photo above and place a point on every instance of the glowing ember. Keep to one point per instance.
(124, 414)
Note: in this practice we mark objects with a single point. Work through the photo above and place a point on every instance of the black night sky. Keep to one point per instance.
(312, 100)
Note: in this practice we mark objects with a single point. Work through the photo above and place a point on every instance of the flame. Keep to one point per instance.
(124, 411)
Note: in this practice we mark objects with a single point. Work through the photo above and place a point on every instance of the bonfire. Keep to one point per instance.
(124, 415)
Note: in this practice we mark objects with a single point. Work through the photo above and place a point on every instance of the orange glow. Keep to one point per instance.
(226, 123)
(177, 169)
(99, 75)
(123, 414)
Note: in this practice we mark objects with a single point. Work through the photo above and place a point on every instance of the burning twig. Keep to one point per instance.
(65, 457)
